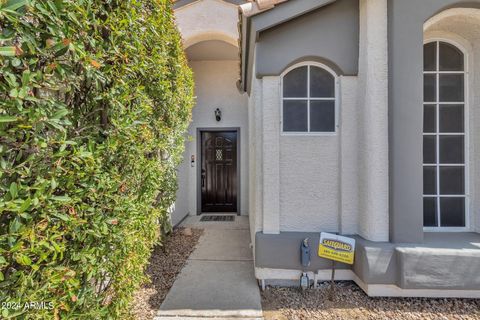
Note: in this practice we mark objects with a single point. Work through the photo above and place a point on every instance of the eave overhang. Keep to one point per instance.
(253, 22)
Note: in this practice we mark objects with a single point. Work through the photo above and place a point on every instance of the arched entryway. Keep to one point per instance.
(207, 183)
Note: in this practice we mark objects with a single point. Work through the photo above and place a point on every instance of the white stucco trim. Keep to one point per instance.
(390, 290)
(450, 13)
(373, 105)
(289, 274)
(309, 63)
(348, 155)
(372, 290)
(453, 38)
(257, 161)
(208, 20)
(206, 35)
(271, 154)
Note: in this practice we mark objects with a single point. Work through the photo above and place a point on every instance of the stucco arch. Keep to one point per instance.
(446, 9)
(470, 14)
(209, 30)
(208, 20)
(316, 59)
(209, 35)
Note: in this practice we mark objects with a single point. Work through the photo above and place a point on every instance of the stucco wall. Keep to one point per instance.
(308, 195)
(207, 20)
(349, 156)
(381, 268)
(373, 121)
(309, 189)
(406, 20)
(462, 26)
(475, 138)
(335, 24)
(181, 207)
(339, 182)
(215, 87)
(319, 178)
(255, 160)
(270, 129)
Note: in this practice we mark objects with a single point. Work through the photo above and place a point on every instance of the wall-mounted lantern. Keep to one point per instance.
(218, 114)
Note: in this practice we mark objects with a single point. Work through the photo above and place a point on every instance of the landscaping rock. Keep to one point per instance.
(350, 302)
(166, 262)
(187, 232)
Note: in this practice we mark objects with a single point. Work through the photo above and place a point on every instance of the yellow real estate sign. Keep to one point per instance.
(335, 247)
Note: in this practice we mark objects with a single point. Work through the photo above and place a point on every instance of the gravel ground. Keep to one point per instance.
(350, 302)
(165, 263)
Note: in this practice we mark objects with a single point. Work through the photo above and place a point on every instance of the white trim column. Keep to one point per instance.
(271, 154)
(258, 138)
(373, 76)
(349, 150)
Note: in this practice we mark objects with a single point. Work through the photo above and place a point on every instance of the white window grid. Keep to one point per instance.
(437, 134)
(308, 98)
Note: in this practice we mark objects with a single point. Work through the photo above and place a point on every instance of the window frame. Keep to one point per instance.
(310, 64)
(466, 134)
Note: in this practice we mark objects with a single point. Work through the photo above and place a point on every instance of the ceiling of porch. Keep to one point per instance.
(212, 50)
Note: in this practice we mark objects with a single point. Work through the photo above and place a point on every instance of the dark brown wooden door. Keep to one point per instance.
(219, 171)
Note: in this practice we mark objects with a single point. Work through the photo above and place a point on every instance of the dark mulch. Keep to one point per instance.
(350, 302)
(166, 262)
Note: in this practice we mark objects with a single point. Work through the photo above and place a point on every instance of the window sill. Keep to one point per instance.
(447, 229)
(308, 134)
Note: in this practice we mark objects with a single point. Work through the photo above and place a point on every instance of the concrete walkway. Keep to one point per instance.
(218, 280)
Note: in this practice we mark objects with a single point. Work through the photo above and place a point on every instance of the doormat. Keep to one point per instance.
(222, 218)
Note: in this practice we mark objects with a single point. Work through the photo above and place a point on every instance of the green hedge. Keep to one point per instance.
(95, 99)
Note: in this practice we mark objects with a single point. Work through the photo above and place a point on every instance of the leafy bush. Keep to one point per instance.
(95, 98)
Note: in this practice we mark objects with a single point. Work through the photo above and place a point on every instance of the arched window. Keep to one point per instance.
(444, 136)
(309, 100)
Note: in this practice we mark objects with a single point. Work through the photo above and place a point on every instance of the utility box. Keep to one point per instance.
(305, 253)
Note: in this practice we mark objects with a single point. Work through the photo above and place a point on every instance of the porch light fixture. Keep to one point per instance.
(218, 114)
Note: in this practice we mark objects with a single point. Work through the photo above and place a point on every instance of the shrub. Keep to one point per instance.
(95, 98)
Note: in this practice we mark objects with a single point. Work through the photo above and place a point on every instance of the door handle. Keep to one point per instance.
(203, 178)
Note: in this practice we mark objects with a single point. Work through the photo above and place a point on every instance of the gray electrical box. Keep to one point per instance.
(305, 253)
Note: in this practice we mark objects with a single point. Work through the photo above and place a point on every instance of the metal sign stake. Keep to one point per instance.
(332, 282)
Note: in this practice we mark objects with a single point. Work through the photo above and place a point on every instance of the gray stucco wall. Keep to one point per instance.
(282, 251)
(449, 261)
(406, 19)
(329, 33)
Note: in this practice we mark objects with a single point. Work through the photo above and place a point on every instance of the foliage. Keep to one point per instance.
(95, 99)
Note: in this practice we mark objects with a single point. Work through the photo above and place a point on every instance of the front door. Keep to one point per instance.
(218, 176)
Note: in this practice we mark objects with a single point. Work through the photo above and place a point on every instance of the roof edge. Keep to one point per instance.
(259, 17)
(254, 7)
